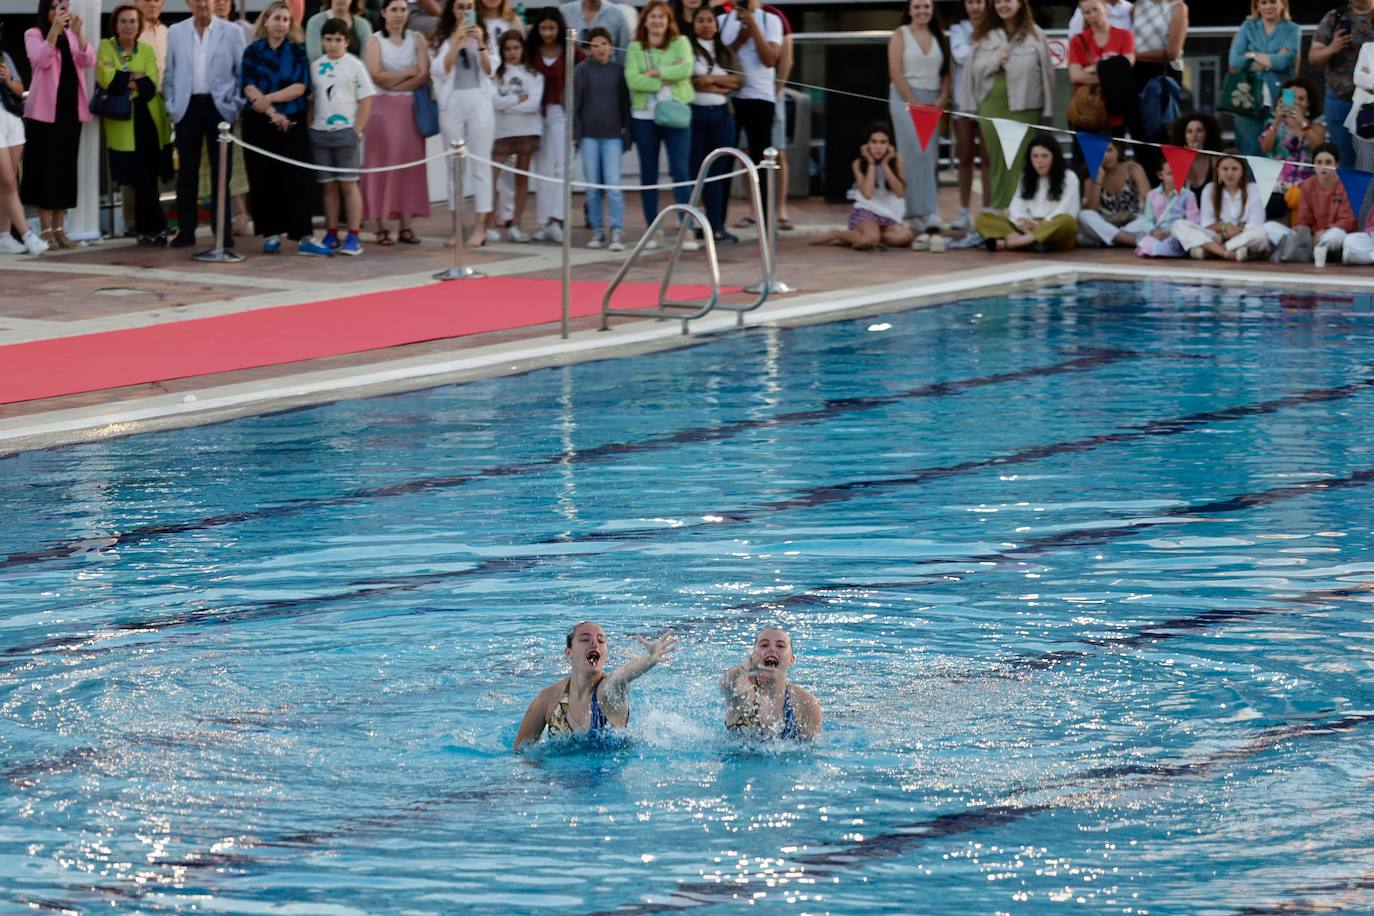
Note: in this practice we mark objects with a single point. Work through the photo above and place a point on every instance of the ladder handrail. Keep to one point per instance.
(692, 210)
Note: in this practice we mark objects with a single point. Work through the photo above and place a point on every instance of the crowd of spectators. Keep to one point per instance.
(677, 80)
(334, 90)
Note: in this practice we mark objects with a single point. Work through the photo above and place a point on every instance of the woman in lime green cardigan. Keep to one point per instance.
(138, 145)
(658, 71)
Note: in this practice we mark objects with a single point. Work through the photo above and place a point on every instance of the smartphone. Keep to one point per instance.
(469, 17)
(1287, 97)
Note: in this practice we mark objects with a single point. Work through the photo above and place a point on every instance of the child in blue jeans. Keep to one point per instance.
(601, 106)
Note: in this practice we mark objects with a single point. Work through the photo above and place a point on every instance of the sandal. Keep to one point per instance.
(785, 224)
(384, 237)
(407, 237)
(60, 237)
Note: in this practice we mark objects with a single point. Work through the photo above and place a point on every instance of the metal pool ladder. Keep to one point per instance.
(686, 311)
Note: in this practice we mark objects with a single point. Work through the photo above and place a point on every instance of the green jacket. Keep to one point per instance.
(674, 64)
(109, 67)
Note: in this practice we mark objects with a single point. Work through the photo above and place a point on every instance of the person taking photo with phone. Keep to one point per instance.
(1336, 47)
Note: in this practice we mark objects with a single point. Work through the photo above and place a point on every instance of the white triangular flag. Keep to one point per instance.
(1266, 172)
(1010, 134)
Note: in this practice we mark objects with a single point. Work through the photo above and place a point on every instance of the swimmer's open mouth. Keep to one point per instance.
(770, 661)
(593, 657)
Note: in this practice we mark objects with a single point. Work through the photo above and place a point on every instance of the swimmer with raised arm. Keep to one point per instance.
(590, 702)
(759, 703)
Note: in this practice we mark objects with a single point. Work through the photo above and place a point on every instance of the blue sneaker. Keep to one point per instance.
(313, 249)
(331, 240)
(351, 245)
(271, 245)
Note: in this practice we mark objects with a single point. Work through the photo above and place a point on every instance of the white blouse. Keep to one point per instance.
(1250, 215)
(919, 69)
(1040, 207)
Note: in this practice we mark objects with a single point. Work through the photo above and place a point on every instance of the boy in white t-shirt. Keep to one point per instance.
(342, 101)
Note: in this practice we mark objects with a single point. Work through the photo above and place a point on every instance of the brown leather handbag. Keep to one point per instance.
(1087, 108)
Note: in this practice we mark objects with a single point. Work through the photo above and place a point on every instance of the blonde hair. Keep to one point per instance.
(293, 34)
(1254, 10)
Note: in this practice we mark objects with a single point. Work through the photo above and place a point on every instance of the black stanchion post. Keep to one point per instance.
(219, 254)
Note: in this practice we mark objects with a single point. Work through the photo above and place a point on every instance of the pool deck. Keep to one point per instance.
(116, 285)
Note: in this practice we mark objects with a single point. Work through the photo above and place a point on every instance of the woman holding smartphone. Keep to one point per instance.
(461, 71)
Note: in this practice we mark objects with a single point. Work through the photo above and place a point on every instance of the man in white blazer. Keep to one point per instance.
(201, 88)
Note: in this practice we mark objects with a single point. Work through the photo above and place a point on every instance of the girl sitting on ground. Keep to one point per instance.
(1113, 202)
(1325, 216)
(1043, 215)
(1164, 206)
(878, 195)
(1230, 223)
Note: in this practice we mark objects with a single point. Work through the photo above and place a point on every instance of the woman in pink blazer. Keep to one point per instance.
(53, 115)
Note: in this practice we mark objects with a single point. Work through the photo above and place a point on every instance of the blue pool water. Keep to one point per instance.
(1081, 576)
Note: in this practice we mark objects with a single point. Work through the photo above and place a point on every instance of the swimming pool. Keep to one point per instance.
(1081, 576)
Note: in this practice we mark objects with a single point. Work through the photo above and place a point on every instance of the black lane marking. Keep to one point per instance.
(833, 407)
(830, 493)
(903, 839)
(1158, 632)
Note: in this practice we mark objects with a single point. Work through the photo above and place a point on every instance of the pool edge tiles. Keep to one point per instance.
(489, 356)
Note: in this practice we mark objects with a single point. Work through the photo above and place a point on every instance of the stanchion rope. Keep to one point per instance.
(603, 187)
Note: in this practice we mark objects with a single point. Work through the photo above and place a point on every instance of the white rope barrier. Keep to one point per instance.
(331, 168)
(500, 165)
(602, 187)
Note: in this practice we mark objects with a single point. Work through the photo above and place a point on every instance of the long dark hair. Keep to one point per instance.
(937, 29)
(882, 127)
(44, 8)
(385, 3)
(532, 39)
(684, 23)
(1211, 129)
(1030, 179)
(720, 53)
(448, 24)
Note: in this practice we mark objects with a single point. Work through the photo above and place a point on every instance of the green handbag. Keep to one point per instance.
(1240, 95)
(672, 114)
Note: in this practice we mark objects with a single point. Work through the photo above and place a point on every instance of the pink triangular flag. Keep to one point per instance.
(926, 118)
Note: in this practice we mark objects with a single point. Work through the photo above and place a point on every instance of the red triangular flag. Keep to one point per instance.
(927, 120)
(1180, 160)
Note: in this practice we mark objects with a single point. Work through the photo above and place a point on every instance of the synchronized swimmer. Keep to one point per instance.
(759, 702)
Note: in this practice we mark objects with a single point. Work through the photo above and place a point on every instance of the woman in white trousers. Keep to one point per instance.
(1231, 222)
(462, 87)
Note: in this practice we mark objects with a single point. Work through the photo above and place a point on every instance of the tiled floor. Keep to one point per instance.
(118, 285)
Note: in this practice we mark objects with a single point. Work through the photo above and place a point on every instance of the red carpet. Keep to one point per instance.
(286, 334)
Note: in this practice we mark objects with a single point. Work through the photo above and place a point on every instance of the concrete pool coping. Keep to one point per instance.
(217, 403)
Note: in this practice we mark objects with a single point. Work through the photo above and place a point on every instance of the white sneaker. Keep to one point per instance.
(617, 240)
(517, 234)
(597, 240)
(917, 224)
(8, 245)
(690, 244)
(493, 234)
(33, 244)
(652, 243)
(550, 233)
(962, 221)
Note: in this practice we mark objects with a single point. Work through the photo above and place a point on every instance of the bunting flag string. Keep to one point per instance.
(1009, 135)
(1094, 147)
(926, 119)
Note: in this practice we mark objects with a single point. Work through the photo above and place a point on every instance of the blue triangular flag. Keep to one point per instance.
(1094, 147)
(1356, 184)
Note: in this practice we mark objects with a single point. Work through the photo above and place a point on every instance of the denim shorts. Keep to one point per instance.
(338, 149)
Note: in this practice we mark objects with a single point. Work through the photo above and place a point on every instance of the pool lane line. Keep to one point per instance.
(902, 839)
(1092, 358)
(284, 608)
(1363, 903)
